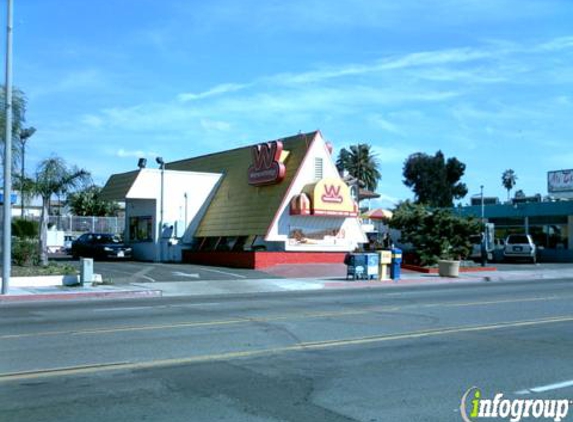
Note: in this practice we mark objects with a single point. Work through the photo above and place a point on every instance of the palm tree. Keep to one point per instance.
(360, 163)
(54, 177)
(508, 180)
(18, 119)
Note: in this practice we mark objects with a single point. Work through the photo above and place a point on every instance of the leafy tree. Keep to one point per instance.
(360, 163)
(508, 180)
(435, 181)
(18, 120)
(88, 202)
(435, 233)
(54, 177)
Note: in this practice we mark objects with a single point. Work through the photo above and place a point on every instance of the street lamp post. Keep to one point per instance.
(25, 134)
(484, 234)
(482, 207)
(161, 163)
(7, 206)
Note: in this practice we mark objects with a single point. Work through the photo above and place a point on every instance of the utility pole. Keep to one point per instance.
(7, 223)
(482, 207)
(25, 134)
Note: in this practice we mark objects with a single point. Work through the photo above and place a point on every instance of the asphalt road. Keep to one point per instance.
(363, 355)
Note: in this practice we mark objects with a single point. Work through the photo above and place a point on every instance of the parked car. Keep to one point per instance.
(520, 246)
(68, 240)
(100, 246)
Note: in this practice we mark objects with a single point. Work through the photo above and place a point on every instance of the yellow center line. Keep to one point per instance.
(298, 316)
(298, 347)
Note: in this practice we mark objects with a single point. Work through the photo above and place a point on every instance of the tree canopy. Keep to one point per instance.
(508, 180)
(18, 119)
(88, 202)
(361, 163)
(435, 180)
(435, 233)
(54, 177)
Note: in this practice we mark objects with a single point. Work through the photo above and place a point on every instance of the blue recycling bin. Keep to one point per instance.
(372, 265)
(395, 265)
(356, 267)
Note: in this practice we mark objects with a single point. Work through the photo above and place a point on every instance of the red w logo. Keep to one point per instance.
(266, 168)
(264, 155)
(332, 194)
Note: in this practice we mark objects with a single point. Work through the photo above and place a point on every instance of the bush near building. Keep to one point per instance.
(25, 243)
(435, 233)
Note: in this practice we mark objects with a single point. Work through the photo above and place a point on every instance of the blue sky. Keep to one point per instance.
(487, 81)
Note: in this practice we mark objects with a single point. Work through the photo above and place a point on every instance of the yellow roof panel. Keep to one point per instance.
(239, 209)
(118, 185)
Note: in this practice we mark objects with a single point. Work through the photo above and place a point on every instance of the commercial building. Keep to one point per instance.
(274, 202)
(549, 220)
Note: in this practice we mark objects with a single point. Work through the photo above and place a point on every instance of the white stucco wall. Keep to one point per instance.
(353, 234)
(184, 196)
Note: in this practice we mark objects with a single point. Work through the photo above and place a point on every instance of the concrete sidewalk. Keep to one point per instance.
(61, 293)
(251, 286)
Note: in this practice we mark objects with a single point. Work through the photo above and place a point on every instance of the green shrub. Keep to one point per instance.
(435, 233)
(25, 252)
(25, 228)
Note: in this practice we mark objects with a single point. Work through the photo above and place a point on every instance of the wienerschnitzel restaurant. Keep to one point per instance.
(274, 202)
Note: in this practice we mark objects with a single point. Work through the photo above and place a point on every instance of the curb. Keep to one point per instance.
(124, 294)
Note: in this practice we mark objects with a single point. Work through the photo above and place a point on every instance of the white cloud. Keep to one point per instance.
(92, 120)
(216, 125)
(215, 91)
(385, 124)
(385, 201)
(123, 153)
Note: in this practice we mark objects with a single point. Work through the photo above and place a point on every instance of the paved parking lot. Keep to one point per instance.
(123, 272)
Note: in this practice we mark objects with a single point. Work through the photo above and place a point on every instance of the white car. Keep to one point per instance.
(520, 246)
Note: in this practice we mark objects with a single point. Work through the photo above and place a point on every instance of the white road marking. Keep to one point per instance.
(182, 274)
(544, 388)
(223, 272)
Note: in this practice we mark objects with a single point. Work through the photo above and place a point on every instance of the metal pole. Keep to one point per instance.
(7, 223)
(483, 246)
(482, 207)
(23, 143)
(161, 213)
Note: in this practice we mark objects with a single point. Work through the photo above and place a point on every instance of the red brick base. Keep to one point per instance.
(258, 260)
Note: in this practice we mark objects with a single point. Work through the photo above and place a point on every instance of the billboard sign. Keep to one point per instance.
(560, 181)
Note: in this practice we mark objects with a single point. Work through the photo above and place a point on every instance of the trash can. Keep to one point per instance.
(355, 265)
(396, 262)
(372, 262)
(384, 264)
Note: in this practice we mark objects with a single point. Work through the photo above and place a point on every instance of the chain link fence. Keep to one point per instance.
(77, 225)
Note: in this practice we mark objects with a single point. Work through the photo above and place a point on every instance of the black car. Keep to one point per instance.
(101, 246)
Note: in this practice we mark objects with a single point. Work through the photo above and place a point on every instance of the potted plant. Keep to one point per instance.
(449, 262)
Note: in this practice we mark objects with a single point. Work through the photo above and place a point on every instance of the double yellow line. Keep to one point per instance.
(298, 316)
(298, 347)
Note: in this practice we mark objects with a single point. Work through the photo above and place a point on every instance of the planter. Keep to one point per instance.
(447, 268)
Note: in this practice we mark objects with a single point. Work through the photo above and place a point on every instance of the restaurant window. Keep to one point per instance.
(226, 243)
(318, 169)
(209, 244)
(141, 229)
(240, 243)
